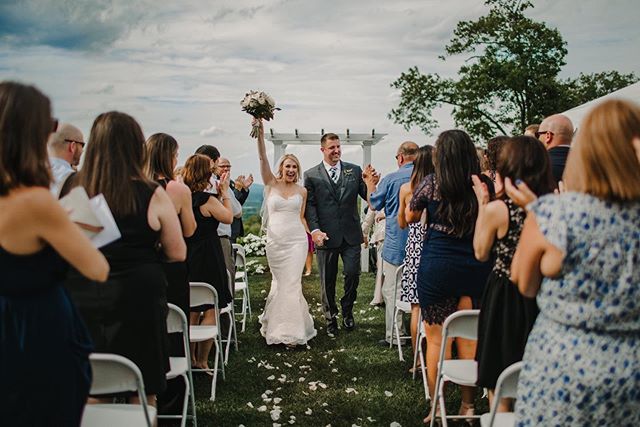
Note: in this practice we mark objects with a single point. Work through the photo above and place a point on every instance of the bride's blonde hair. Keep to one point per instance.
(281, 165)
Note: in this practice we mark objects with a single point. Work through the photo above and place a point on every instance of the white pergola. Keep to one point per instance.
(282, 140)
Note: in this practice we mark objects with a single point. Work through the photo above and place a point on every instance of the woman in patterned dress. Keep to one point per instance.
(506, 317)
(422, 167)
(579, 253)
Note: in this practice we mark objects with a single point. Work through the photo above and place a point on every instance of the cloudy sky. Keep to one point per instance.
(182, 67)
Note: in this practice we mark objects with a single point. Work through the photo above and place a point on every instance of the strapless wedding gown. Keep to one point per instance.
(286, 318)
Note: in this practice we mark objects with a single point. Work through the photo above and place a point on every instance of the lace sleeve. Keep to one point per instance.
(422, 194)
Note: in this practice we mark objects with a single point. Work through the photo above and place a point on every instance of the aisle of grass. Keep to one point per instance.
(340, 381)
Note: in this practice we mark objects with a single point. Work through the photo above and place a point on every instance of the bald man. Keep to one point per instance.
(556, 133)
(384, 197)
(65, 148)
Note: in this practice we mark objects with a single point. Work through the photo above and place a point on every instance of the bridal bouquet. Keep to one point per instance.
(259, 105)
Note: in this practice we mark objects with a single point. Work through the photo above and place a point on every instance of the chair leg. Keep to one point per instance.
(423, 369)
(443, 410)
(415, 353)
(248, 299)
(185, 403)
(397, 332)
(192, 393)
(235, 330)
(244, 310)
(215, 372)
(229, 333)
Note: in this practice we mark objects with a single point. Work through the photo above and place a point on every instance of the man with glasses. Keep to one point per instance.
(240, 188)
(556, 133)
(65, 148)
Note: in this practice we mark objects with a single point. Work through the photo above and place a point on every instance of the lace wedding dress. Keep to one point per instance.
(286, 318)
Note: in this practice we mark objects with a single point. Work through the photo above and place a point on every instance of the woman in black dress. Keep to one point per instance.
(506, 317)
(128, 314)
(38, 321)
(162, 157)
(449, 277)
(204, 255)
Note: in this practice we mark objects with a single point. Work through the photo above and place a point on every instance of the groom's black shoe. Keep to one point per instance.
(349, 323)
(332, 327)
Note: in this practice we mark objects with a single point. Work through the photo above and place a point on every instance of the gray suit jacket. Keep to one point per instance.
(333, 207)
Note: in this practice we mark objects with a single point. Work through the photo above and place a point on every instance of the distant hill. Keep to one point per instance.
(254, 201)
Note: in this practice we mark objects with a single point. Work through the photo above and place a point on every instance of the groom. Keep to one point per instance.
(331, 212)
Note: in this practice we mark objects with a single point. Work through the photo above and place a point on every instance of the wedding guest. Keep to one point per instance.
(224, 229)
(506, 316)
(205, 257)
(423, 166)
(240, 188)
(162, 157)
(65, 148)
(385, 197)
(37, 243)
(373, 227)
(127, 315)
(556, 133)
(449, 276)
(578, 255)
(531, 130)
(494, 145)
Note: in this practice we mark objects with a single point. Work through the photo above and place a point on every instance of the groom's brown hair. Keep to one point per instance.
(328, 136)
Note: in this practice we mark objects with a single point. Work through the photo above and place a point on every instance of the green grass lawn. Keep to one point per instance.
(356, 381)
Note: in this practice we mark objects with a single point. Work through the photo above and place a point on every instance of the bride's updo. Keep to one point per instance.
(291, 157)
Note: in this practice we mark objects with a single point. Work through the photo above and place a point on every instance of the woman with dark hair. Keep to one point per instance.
(37, 244)
(162, 157)
(127, 316)
(204, 254)
(506, 316)
(449, 276)
(491, 154)
(422, 166)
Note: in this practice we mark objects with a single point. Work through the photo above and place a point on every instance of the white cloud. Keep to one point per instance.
(211, 131)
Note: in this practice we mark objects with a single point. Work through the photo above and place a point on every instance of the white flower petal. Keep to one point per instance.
(250, 405)
(308, 411)
(277, 400)
(395, 424)
(262, 408)
(271, 377)
(388, 393)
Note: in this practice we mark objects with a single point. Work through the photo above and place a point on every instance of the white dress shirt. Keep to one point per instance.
(60, 169)
(236, 208)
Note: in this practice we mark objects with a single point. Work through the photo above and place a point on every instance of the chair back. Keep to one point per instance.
(176, 320)
(398, 281)
(201, 293)
(241, 257)
(462, 324)
(113, 373)
(507, 384)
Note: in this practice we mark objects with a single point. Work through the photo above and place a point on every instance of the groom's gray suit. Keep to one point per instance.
(333, 209)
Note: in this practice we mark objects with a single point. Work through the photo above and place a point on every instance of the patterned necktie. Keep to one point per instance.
(333, 173)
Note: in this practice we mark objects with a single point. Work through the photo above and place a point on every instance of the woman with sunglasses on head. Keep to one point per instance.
(37, 244)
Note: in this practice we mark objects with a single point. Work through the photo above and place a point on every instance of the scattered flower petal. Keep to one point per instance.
(250, 405)
(271, 377)
(388, 393)
(308, 411)
(262, 408)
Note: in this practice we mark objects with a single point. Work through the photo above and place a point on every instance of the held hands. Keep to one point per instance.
(370, 176)
(319, 237)
(481, 190)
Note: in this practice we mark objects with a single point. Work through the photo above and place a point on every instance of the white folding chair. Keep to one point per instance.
(230, 311)
(200, 294)
(241, 282)
(399, 308)
(418, 354)
(113, 373)
(461, 324)
(507, 386)
(181, 366)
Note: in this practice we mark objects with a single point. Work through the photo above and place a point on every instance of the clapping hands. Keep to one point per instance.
(370, 176)
(243, 183)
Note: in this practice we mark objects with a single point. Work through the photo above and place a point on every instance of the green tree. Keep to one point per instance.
(509, 79)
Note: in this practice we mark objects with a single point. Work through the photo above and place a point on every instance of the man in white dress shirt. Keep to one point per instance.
(65, 148)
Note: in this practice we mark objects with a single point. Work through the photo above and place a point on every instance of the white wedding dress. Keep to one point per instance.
(286, 318)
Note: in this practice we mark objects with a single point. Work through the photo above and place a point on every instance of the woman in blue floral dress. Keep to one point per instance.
(582, 359)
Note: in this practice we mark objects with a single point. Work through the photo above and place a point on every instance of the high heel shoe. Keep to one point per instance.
(467, 409)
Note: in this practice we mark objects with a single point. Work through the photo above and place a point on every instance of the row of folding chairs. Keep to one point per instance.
(462, 324)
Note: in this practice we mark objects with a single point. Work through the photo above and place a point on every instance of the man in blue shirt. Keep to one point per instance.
(385, 196)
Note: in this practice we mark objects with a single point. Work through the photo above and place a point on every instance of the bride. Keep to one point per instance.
(286, 319)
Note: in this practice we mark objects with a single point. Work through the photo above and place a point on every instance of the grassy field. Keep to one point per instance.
(353, 380)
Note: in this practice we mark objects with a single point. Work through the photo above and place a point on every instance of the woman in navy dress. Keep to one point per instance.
(449, 276)
(38, 321)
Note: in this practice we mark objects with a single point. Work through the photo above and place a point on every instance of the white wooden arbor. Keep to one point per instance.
(365, 140)
(282, 140)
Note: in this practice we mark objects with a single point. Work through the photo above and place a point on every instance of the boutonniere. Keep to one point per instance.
(348, 172)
